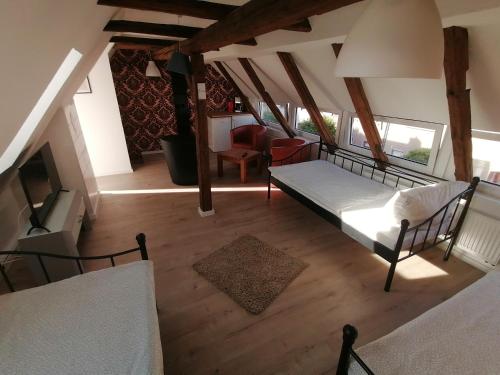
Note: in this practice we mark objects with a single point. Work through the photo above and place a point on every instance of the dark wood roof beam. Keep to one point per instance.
(245, 63)
(255, 18)
(158, 43)
(305, 95)
(193, 8)
(246, 102)
(176, 31)
(364, 112)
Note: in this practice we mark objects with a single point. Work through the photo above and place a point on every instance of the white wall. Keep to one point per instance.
(13, 213)
(36, 36)
(101, 123)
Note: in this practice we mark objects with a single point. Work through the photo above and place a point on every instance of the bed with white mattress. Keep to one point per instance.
(459, 336)
(101, 322)
(371, 204)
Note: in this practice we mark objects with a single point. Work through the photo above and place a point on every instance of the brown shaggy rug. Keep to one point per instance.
(250, 271)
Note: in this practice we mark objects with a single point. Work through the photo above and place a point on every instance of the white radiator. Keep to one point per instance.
(479, 241)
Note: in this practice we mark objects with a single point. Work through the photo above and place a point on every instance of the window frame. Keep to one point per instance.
(487, 136)
(436, 143)
(273, 124)
(311, 136)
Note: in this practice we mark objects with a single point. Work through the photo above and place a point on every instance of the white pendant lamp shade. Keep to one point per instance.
(394, 39)
(152, 70)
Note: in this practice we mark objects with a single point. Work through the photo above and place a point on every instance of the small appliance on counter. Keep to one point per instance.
(230, 106)
(238, 105)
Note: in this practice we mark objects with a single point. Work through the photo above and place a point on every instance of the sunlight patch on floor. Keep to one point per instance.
(186, 190)
(408, 270)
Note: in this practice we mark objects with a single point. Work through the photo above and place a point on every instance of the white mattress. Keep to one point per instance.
(357, 201)
(459, 336)
(102, 322)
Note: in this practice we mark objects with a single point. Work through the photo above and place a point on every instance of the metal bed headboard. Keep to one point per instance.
(384, 172)
(349, 336)
(140, 238)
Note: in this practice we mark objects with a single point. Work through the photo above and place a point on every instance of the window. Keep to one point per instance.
(414, 141)
(267, 115)
(304, 123)
(485, 155)
(357, 137)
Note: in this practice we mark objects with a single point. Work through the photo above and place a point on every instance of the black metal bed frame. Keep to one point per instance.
(349, 336)
(140, 238)
(393, 176)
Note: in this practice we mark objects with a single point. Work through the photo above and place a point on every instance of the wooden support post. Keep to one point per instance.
(245, 63)
(364, 112)
(246, 102)
(456, 64)
(198, 92)
(306, 97)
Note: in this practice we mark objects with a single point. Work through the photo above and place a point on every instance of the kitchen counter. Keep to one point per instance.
(227, 114)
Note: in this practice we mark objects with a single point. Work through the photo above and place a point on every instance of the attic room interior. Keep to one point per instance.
(250, 187)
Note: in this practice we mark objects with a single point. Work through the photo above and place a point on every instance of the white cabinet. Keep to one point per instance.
(219, 127)
(64, 223)
(218, 133)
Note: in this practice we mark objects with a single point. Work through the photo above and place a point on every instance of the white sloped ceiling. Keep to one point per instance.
(36, 36)
(418, 99)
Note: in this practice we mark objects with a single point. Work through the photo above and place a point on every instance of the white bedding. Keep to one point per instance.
(102, 322)
(459, 336)
(358, 201)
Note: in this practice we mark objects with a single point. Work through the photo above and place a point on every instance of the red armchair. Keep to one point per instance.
(282, 148)
(250, 137)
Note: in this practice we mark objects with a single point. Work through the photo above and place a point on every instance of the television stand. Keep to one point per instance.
(59, 235)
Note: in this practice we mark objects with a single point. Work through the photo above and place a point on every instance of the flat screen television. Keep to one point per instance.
(41, 184)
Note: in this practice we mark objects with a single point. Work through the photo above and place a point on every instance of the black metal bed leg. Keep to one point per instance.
(269, 177)
(390, 275)
(141, 240)
(269, 186)
(350, 334)
(447, 253)
(458, 227)
(397, 250)
(6, 278)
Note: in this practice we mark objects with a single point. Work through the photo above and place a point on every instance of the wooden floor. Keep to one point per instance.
(204, 332)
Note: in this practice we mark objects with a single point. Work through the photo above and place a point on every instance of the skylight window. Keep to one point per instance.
(20, 141)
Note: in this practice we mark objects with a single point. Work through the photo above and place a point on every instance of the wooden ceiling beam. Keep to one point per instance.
(245, 63)
(151, 42)
(139, 47)
(246, 102)
(193, 8)
(364, 112)
(456, 65)
(176, 31)
(305, 95)
(255, 18)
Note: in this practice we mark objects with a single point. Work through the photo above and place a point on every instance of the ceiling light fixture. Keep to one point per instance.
(179, 62)
(152, 70)
(394, 39)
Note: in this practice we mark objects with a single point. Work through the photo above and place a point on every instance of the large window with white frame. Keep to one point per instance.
(267, 115)
(409, 143)
(485, 156)
(304, 123)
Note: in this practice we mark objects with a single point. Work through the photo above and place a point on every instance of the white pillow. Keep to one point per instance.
(418, 204)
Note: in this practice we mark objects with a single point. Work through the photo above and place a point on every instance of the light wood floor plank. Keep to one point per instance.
(205, 332)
